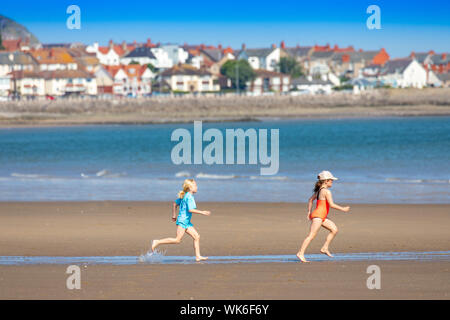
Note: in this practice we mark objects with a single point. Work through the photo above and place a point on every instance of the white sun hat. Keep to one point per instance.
(325, 175)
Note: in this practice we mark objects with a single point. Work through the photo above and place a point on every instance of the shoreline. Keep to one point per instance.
(370, 104)
(110, 121)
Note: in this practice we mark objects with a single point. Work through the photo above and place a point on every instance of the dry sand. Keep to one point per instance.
(112, 228)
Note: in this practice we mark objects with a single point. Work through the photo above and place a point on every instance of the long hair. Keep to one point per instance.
(188, 184)
(318, 184)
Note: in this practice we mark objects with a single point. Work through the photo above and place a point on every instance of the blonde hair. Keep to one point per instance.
(188, 185)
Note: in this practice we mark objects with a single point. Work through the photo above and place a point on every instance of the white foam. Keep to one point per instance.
(102, 173)
(182, 174)
(417, 180)
(152, 256)
(28, 176)
(214, 176)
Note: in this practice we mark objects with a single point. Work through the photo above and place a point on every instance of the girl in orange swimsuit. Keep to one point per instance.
(319, 216)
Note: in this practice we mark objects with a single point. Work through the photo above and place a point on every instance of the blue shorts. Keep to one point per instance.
(185, 224)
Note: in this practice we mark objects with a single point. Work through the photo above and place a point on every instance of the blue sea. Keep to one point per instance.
(381, 160)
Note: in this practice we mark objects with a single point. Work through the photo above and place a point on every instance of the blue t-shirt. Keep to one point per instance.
(186, 204)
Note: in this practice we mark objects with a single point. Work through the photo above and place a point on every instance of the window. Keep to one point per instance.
(266, 84)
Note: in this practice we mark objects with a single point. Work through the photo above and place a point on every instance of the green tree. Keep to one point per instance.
(242, 68)
(151, 67)
(289, 65)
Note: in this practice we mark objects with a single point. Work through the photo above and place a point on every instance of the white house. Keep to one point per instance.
(187, 78)
(312, 85)
(5, 86)
(141, 56)
(69, 82)
(127, 80)
(433, 80)
(261, 59)
(402, 73)
(110, 55)
(27, 83)
(269, 81)
(175, 53)
(163, 60)
(16, 61)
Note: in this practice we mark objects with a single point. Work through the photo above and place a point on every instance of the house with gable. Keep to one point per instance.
(403, 73)
(262, 58)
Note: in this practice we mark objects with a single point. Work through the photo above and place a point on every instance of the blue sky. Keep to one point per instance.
(406, 25)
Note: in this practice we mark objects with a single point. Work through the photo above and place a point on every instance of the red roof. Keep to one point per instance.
(12, 45)
(117, 49)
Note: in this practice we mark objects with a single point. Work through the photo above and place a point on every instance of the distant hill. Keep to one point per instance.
(12, 30)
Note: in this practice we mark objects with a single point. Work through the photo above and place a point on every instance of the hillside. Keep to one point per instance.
(13, 30)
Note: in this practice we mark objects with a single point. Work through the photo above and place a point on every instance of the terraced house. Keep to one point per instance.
(53, 83)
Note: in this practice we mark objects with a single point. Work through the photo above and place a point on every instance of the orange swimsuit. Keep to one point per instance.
(322, 209)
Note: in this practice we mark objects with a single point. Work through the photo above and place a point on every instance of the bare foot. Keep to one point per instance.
(301, 257)
(154, 244)
(325, 251)
(201, 258)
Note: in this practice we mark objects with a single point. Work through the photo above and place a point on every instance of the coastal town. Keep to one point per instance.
(31, 70)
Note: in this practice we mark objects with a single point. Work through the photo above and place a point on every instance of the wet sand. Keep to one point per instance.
(126, 228)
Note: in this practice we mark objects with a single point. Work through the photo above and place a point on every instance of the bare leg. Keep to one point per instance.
(328, 224)
(315, 226)
(194, 234)
(180, 234)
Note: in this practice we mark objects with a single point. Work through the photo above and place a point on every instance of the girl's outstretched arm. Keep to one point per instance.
(205, 213)
(333, 205)
(174, 212)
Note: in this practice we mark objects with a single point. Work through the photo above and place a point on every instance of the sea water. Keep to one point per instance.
(378, 160)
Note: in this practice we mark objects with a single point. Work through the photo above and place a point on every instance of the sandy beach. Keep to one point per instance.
(108, 228)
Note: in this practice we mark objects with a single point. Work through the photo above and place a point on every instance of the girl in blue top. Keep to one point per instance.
(187, 206)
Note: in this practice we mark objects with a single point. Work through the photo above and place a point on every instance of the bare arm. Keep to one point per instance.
(333, 205)
(310, 204)
(205, 213)
(174, 211)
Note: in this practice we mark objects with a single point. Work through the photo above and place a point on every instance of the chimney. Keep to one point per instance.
(124, 45)
(149, 42)
(431, 52)
(282, 45)
(219, 46)
(274, 45)
(360, 50)
(243, 46)
(111, 43)
(336, 47)
(413, 54)
(298, 46)
(444, 56)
